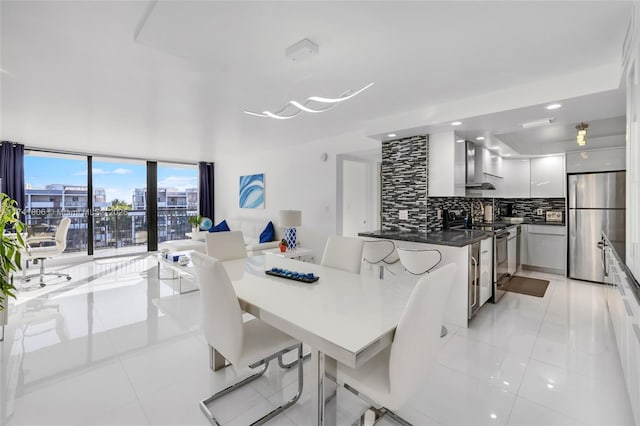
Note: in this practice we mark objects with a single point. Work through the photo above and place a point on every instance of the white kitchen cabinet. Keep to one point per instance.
(491, 163)
(517, 178)
(446, 166)
(548, 177)
(624, 310)
(546, 248)
(486, 263)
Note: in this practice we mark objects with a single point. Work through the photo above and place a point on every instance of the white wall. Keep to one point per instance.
(295, 178)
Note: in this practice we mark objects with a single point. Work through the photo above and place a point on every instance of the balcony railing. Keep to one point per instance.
(114, 229)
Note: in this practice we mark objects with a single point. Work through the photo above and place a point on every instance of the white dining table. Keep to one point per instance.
(343, 317)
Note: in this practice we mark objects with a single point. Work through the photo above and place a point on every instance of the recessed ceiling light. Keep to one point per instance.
(480, 138)
(456, 123)
(553, 106)
(392, 135)
(460, 140)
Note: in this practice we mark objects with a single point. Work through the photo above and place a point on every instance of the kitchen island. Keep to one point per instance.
(473, 283)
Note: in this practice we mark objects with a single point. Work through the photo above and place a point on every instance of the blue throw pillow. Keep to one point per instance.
(268, 234)
(221, 227)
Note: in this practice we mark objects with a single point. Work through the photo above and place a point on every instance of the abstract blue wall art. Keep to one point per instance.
(252, 191)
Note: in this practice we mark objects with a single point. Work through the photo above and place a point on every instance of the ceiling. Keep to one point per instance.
(175, 76)
(505, 135)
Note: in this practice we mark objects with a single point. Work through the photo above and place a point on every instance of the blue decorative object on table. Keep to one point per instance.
(290, 219)
(205, 224)
(296, 276)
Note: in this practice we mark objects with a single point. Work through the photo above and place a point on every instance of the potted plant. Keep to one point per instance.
(283, 245)
(194, 221)
(10, 245)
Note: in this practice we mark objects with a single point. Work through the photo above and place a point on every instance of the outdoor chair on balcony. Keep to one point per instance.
(40, 248)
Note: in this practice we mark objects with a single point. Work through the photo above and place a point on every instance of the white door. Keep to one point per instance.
(355, 197)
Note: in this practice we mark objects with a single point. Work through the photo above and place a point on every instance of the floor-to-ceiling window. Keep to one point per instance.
(119, 224)
(113, 220)
(177, 199)
(56, 187)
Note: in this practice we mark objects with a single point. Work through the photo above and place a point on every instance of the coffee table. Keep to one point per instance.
(186, 270)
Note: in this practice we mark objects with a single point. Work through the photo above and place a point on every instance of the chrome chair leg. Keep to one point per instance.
(292, 364)
(372, 415)
(271, 414)
(42, 274)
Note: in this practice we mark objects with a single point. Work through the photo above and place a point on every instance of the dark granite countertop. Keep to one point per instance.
(533, 222)
(455, 238)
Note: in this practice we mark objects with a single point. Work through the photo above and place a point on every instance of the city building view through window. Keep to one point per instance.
(56, 186)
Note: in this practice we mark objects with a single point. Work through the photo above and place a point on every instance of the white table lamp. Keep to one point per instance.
(289, 220)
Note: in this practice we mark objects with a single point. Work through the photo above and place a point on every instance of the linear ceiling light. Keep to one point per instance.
(295, 107)
(536, 123)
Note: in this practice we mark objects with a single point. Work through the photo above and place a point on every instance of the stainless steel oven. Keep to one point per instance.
(500, 263)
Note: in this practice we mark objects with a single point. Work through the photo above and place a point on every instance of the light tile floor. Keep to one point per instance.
(117, 346)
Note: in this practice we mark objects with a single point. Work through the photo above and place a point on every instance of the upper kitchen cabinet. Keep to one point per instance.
(548, 177)
(446, 166)
(517, 178)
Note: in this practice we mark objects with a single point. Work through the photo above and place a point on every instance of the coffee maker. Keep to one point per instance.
(509, 210)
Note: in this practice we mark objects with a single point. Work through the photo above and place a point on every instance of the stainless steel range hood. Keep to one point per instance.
(474, 177)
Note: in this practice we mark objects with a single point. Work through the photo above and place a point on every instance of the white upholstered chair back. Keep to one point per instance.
(344, 253)
(61, 234)
(221, 312)
(417, 339)
(226, 245)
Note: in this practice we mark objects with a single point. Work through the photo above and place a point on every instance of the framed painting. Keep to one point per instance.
(252, 191)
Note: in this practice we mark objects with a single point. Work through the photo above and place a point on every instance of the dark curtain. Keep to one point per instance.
(12, 171)
(206, 189)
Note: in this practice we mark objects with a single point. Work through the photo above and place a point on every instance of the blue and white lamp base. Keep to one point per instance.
(290, 238)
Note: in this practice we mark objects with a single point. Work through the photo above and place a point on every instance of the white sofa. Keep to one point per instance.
(251, 230)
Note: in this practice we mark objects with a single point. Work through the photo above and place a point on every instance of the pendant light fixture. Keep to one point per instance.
(581, 137)
(314, 104)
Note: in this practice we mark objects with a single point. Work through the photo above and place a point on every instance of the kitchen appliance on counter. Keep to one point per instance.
(596, 204)
(554, 216)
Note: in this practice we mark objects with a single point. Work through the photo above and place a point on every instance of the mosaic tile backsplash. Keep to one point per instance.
(522, 207)
(404, 183)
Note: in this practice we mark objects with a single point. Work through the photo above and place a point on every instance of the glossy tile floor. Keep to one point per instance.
(117, 346)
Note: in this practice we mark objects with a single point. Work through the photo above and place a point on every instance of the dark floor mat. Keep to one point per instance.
(529, 286)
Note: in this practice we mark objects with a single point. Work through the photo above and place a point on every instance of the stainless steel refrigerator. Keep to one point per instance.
(596, 204)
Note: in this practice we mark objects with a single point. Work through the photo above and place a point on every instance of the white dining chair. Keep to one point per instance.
(39, 248)
(380, 253)
(243, 344)
(391, 377)
(344, 253)
(226, 245)
(420, 262)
